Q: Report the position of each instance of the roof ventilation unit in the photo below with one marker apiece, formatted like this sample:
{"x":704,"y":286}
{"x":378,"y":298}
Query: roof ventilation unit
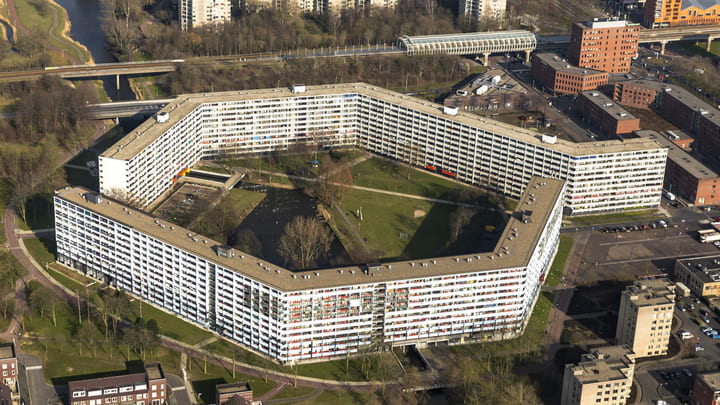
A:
{"x":163,"y":116}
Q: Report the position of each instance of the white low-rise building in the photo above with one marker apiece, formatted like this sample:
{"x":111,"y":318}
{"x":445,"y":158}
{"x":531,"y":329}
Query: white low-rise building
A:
{"x":308,"y":315}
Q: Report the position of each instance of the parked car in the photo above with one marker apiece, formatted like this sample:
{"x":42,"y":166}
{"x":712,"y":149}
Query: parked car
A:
{"x":698,"y":347}
{"x":681,"y":307}
{"x":705,"y":329}
{"x":687,"y":372}
{"x":684,"y":334}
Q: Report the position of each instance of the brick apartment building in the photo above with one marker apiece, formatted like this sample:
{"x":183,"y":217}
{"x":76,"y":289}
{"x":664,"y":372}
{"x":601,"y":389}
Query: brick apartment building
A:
{"x":691,"y":114}
{"x":668,"y":13}
{"x":9,"y":365}
{"x":685,"y":175}
{"x":638,"y":93}
{"x":560,"y":76}
{"x":605,"y":45}
{"x":706,"y":389}
{"x":606,"y":116}
{"x":148,"y":388}
{"x":226,"y":392}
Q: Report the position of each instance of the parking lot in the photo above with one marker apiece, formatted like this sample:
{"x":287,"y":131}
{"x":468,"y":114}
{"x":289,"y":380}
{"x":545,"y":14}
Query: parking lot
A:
{"x":186,"y":203}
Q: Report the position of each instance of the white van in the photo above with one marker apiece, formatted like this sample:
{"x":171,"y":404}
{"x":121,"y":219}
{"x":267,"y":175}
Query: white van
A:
{"x":685,"y":335}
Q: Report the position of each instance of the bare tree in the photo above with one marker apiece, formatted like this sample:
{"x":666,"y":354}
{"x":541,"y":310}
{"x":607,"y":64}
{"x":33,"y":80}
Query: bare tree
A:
{"x":304,"y":240}
{"x":458,"y":220}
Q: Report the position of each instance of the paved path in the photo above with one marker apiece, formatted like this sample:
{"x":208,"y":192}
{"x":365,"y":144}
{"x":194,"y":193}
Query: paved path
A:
{"x":207,"y":341}
{"x":564,"y":296}
{"x":274,"y":391}
{"x":300,"y":398}
{"x":374,"y":190}
{"x":353,"y":229}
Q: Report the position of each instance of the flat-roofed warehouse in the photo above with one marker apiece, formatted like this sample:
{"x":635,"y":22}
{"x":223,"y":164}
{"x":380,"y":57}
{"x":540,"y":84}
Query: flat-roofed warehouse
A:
{"x":471,"y":43}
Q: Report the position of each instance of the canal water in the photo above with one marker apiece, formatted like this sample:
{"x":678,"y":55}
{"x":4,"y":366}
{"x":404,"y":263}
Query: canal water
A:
{"x":86,"y":19}
{"x":8,"y":32}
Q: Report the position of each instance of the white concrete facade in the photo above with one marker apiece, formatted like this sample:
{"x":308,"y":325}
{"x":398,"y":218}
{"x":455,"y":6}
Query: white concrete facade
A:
{"x":602,"y":177}
{"x":461,"y":302}
{"x":483,"y":9}
{"x":195,"y":13}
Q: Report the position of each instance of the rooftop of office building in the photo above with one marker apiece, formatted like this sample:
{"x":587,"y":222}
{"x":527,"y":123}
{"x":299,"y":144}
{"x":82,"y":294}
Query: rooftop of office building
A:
{"x":651,"y":292}
{"x":607,"y":105}
{"x":135,"y":141}
{"x":681,"y":157}
{"x":515,"y":246}
{"x":603,"y":364}
{"x":705,"y":268}
{"x":600,"y":23}
{"x":562,"y":65}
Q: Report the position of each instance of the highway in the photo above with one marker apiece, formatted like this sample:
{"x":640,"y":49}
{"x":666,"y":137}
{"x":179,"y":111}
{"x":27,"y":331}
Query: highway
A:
{"x":120,"y":109}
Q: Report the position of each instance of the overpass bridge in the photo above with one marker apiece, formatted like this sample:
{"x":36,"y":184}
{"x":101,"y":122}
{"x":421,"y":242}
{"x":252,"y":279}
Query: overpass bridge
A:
{"x":121,"y":109}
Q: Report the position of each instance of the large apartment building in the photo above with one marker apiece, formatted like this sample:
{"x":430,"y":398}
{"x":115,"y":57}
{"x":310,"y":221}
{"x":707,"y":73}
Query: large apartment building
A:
{"x":195,"y":13}
{"x":645,"y":317}
{"x":307,"y":315}
{"x":605,"y":45}
{"x":482,"y":9}
{"x":685,"y":175}
{"x":668,"y":13}
{"x":603,"y":376}
{"x":604,"y":115}
{"x":602,"y":176}
{"x":559,"y":76}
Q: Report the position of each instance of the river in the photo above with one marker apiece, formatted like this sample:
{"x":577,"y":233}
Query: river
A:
{"x":86,"y":19}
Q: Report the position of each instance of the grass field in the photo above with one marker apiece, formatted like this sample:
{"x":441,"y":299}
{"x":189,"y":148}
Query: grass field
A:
{"x":380,"y":174}
{"x":66,"y":281}
{"x":170,"y":325}
{"x":41,"y":249}
{"x":245,"y":201}
{"x":389,"y":225}
{"x":617,"y":217}
{"x":205,"y":383}
{"x":556,"y":270}
{"x":331,"y":370}
{"x":37,"y":16}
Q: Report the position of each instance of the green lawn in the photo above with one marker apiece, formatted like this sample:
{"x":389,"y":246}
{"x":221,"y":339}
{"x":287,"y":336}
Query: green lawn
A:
{"x":389,"y":225}
{"x":556,"y":270}
{"x":66,"y":281}
{"x":331,"y":370}
{"x":170,"y":325}
{"x":292,"y":392}
{"x":339,"y":397}
{"x":41,"y":249}
{"x":510,"y":204}
{"x":63,"y":361}
{"x":40,"y":22}
{"x":297,"y":164}
{"x":617,"y":217}
{"x":205,"y":383}
{"x":380,"y":174}
{"x":244,"y":200}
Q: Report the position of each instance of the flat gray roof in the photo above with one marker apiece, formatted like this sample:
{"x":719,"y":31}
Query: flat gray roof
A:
{"x":705,"y":268}
{"x":608,"y":105}
{"x":651,"y":292}
{"x":151,"y":130}
{"x":679,"y":156}
{"x":652,"y":84}
{"x":562,"y":65}
{"x":607,"y":363}
{"x":708,"y":111}
{"x":518,"y":238}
